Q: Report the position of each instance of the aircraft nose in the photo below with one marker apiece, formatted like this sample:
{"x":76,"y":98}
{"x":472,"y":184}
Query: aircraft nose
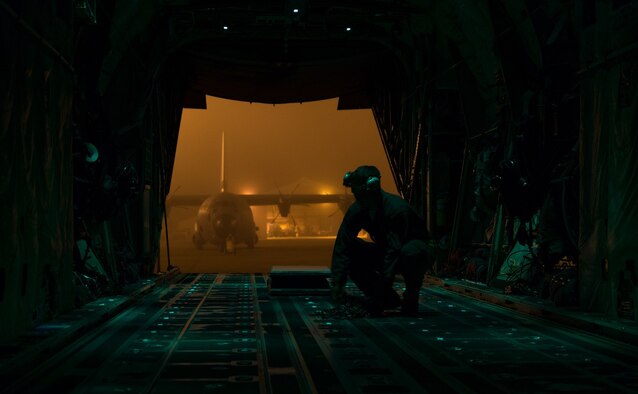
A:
{"x":225,"y":224}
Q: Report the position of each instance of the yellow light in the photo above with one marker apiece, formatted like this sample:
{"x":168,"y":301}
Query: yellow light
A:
{"x":363,"y":235}
{"x":326,"y":190}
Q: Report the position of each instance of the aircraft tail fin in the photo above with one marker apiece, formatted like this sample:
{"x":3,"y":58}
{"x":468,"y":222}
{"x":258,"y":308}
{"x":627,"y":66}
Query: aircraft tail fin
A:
{"x":223,"y":174}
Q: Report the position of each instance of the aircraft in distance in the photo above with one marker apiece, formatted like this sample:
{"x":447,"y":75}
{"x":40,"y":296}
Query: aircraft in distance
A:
{"x":225,"y":219}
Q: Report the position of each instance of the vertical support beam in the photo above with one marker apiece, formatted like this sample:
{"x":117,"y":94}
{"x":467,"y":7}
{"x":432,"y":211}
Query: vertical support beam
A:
{"x":418,"y":142}
{"x":146,"y":220}
{"x":460,"y":200}
{"x":129,"y":229}
{"x":428,"y":187}
{"x":497,"y":240}
{"x":108,"y":250}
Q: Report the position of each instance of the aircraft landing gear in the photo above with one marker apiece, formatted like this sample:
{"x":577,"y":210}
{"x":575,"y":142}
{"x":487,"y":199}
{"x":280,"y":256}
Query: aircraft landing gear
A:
{"x":251,"y":244}
{"x":198,"y":241}
{"x":229,"y":245}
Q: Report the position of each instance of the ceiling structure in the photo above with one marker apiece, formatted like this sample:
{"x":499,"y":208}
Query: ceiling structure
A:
{"x":278,"y":52}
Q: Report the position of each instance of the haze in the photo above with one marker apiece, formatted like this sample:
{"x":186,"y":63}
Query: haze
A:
{"x":310,"y":145}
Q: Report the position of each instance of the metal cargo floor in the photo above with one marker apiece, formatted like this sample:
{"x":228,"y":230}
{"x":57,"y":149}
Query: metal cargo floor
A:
{"x":216,"y":333}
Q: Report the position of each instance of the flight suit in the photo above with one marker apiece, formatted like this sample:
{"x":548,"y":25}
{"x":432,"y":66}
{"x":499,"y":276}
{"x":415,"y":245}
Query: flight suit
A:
{"x":399,"y":245}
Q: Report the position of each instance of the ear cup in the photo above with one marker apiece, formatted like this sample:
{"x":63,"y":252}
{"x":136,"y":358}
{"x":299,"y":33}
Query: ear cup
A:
{"x":347,"y":179}
{"x":373,"y":183}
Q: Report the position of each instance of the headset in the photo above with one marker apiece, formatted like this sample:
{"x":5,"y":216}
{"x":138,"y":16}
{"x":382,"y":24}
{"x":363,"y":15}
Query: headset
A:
{"x":372,"y":182}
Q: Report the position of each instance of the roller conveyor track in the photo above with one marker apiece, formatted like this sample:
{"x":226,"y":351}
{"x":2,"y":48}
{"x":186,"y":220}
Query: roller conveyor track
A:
{"x":220,"y":333}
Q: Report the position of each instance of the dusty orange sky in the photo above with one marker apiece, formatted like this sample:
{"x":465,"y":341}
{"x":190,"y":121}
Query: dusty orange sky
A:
{"x":310,"y":144}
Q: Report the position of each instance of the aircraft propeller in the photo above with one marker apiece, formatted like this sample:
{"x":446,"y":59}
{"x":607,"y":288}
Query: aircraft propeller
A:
{"x":284,"y":203}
